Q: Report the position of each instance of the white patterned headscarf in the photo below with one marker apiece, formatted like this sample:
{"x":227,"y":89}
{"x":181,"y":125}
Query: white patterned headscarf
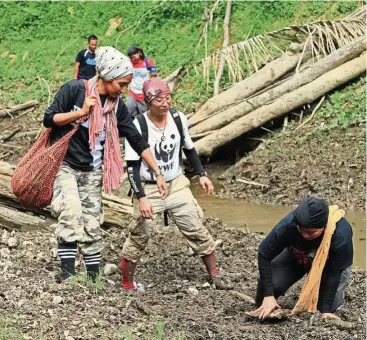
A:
{"x":112,"y":64}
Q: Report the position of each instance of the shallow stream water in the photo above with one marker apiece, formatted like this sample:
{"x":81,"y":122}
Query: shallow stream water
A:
{"x":263,"y":217}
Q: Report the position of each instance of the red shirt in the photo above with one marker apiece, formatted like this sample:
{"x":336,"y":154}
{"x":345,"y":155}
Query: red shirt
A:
{"x":143,"y":70}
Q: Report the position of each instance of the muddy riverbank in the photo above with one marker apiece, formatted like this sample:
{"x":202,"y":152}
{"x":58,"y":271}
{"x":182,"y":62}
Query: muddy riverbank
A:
{"x":177,"y":303}
{"x":327,"y":163}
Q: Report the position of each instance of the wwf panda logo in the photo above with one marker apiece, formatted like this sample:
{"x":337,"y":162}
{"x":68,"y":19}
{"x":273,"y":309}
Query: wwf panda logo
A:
{"x":165,"y":148}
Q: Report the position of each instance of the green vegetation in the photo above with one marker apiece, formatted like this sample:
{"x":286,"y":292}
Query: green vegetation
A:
{"x":347,"y":106}
{"x":7,"y":332}
{"x":39,"y":40}
{"x":83,"y":280}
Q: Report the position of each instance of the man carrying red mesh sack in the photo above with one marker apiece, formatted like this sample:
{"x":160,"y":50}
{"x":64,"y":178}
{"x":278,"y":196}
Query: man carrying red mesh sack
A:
{"x":103,"y":118}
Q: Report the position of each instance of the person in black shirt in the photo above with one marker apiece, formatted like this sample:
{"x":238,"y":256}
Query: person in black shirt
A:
{"x":287,"y":254}
{"x":85,"y":63}
{"x":103,"y":117}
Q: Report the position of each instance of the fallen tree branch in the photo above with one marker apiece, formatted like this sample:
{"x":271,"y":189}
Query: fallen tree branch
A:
{"x":267,"y":130}
{"x":31,"y":134}
{"x":25,"y":112}
{"x":5,"y":112}
{"x":3,"y":145}
{"x":340,"y":323}
{"x":175,"y":78}
{"x":242,"y":296}
{"x":312,"y":114}
{"x":10,"y":135}
{"x":256,"y":184}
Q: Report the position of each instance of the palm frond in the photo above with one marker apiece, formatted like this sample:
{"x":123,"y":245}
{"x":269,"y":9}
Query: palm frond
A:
{"x":322,"y":37}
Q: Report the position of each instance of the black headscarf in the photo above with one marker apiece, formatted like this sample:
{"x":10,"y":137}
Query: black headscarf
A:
{"x":312,"y":212}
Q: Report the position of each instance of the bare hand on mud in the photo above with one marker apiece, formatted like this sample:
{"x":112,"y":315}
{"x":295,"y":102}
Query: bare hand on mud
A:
{"x":162,"y":187}
{"x":146,"y":209}
{"x":268,"y":306}
{"x":329,"y":316}
{"x":207,"y":185}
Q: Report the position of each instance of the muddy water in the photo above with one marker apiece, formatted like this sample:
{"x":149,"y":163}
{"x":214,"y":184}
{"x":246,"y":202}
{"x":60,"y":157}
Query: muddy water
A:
{"x":263,"y":217}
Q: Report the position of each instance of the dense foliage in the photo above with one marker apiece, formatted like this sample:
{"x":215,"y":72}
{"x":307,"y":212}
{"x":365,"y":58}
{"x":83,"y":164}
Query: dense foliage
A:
{"x":39,"y":40}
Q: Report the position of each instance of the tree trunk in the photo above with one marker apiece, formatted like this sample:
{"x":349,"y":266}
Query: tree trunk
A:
{"x":15,"y":219}
{"x":245,"y":88}
{"x":324,"y":65}
{"x":225,"y":44}
{"x":117,"y":210}
{"x":303,"y":95}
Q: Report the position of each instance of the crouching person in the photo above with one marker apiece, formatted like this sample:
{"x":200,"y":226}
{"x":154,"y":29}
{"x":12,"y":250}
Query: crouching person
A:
{"x":166,"y":131}
{"x":315,"y":239}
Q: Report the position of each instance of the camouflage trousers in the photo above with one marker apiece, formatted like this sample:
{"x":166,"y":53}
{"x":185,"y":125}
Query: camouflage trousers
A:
{"x":182,"y":208}
{"x":77,"y":205}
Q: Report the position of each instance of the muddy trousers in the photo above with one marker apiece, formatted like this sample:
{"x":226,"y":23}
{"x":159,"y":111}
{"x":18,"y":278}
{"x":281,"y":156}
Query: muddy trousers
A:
{"x":287,"y":271}
{"x":77,"y":205}
{"x":182,"y":208}
{"x":188,"y":217}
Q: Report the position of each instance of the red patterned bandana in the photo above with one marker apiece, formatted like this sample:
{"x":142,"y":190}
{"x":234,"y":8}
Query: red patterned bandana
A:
{"x":155,"y":87}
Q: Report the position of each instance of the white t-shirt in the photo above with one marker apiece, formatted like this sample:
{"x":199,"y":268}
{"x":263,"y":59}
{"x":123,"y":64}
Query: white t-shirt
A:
{"x":165,"y":146}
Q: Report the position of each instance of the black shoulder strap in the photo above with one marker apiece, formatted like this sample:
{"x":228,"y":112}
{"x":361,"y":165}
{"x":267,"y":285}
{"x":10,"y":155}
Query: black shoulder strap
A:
{"x":143,"y":126}
{"x":177,"y":119}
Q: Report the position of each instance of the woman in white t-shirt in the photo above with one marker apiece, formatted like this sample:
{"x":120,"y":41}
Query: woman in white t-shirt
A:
{"x":167,"y":133}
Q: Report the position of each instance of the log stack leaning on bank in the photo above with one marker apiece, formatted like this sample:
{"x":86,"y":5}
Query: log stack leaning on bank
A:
{"x":258,"y":99}
{"x":117,"y":210}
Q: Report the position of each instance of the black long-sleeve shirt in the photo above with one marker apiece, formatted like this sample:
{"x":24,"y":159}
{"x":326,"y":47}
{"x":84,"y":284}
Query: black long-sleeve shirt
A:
{"x":71,"y":98}
{"x":285,"y":234}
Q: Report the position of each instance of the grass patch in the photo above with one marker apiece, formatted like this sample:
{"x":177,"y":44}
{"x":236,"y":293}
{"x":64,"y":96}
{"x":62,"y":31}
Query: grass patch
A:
{"x":345,"y":107}
{"x":39,"y":40}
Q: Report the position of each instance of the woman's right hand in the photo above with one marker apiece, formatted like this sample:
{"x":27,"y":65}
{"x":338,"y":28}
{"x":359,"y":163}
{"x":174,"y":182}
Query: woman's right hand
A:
{"x":146,"y":209}
{"x":89,"y":102}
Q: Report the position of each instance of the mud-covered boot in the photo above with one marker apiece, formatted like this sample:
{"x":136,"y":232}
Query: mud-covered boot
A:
{"x":128,"y":268}
{"x":211,"y":266}
{"x":221,"y":283}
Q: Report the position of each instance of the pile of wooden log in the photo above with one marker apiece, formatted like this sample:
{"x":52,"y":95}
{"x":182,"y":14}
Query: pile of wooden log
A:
{"x":117,"y":210}
{"x":286,"y":83}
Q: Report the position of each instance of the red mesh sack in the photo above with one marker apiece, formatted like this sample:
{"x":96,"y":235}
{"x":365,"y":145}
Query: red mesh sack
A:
{"x":33,"y":177}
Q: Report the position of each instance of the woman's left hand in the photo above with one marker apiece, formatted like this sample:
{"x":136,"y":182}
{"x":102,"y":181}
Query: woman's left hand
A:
{"x":207,"y":185}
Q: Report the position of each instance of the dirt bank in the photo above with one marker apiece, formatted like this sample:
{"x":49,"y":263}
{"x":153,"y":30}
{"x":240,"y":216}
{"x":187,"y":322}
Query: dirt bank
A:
{"x":33,"y":305}
{"x":310,"y":161}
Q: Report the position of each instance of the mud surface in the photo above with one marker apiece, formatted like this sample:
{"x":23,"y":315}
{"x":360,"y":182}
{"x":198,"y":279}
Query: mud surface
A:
{"x":34,"y":306}
{"x":308,"y":162}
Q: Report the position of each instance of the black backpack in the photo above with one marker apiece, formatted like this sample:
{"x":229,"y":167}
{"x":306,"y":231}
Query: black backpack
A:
{"x":176,"y":118}
{"x":144,"y":132}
